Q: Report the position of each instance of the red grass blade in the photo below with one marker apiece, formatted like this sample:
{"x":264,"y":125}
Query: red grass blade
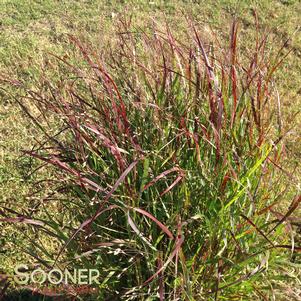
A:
{"x":294,"y":205}
{"x":160,"y":176}
{"x":163,"y":227}
{"x":22,"y":220}
{"x":176,"y":181}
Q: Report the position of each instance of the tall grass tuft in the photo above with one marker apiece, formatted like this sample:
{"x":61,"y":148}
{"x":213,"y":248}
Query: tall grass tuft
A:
{"x":166,"y":150}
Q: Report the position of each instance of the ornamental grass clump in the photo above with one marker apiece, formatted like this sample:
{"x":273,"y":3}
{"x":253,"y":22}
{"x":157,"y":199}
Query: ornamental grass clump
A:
{"x":166,"y":151}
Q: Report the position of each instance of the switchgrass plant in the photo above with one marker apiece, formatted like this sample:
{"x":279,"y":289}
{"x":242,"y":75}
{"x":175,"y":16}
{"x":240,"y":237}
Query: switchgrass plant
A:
{"x":166,"y":152}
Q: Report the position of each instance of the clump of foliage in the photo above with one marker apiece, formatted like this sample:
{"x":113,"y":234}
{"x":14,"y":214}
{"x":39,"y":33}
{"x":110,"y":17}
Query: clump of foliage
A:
{"x":167,"y":149}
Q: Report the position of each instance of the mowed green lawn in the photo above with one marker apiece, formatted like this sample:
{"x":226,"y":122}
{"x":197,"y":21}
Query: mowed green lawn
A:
{"x":30,"y":30}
